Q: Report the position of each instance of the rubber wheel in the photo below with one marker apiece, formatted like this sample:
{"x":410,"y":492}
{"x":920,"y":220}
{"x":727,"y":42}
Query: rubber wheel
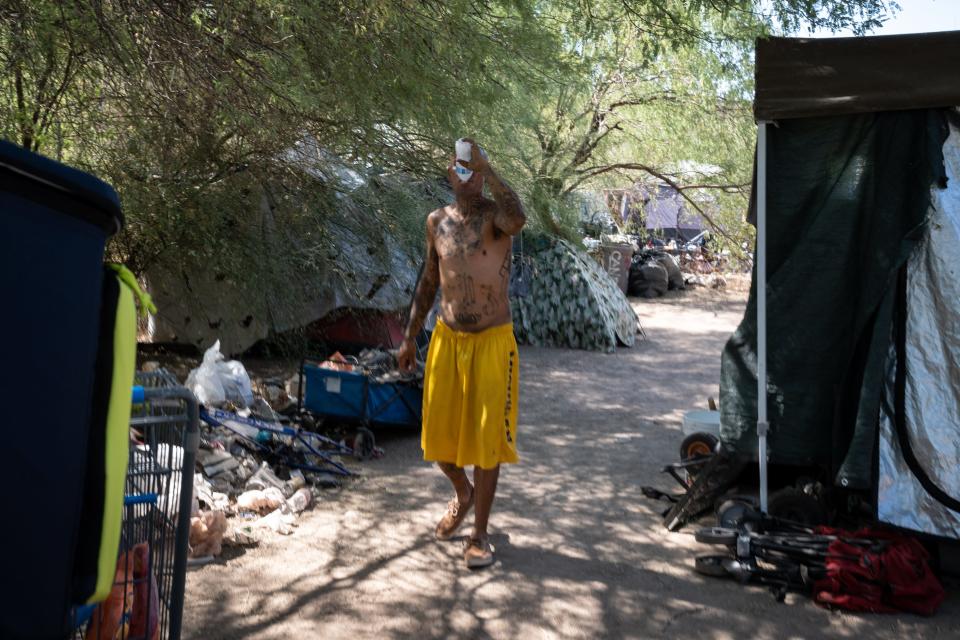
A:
{"x":731,"y":513}
{"x":363,"y":444}
{"x":737,"y":570}
{"x":711,"y":566}
{"x":796,"y":506}
{"x":698,"y":445}
{"x":716,"y":535}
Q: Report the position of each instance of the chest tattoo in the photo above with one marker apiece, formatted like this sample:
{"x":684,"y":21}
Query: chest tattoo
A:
{"x":466,"y":289}
{"x":460,"y":238}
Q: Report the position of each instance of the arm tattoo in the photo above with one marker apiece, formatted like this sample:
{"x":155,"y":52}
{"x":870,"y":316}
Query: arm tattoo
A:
{"x":505,"y":273}
{"x":426,"y":292}
{"x":509,"y":217}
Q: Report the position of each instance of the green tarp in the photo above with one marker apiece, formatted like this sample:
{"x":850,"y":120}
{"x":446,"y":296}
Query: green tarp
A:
{"x":847,"y":201}
{"x":804,"y":77}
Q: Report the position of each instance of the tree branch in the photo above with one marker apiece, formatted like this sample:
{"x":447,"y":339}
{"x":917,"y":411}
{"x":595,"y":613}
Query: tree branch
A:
{"x":726,"y":188}
{"x":51,"y":106}
{"x":26,"y":141}
{"x":669,"y":96}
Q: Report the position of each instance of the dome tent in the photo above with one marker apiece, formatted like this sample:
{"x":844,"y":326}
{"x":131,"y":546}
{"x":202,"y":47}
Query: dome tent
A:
{"x":572,"y":302}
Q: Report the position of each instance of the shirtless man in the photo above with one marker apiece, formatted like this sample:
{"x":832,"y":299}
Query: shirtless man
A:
{"x":471,"y":379}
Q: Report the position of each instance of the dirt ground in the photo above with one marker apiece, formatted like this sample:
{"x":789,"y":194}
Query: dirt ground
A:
{"x":581,"y":553}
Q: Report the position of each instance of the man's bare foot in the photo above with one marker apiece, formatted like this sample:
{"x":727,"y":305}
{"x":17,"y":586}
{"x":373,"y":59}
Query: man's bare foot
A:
{"x":478,"y":553}
{"x":455,"y":515}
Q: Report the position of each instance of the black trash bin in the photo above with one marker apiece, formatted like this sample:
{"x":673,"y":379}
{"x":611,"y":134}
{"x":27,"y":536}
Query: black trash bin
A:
{"x":54,"y":224}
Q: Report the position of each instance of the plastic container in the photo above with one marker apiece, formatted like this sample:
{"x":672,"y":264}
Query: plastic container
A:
{"x":300,"y":500}
{"x":465,"y":153}
{"x":701,"y":422}
{"x":54,"y":224}
{"x":353,"y":396}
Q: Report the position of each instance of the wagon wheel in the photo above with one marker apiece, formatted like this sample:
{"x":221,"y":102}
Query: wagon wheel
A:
{"x":308,"y":422}
{"x":697,"y":445}
{"x":731,"y":514}
{"x":363,"y":444}
{"x":794,"y":505}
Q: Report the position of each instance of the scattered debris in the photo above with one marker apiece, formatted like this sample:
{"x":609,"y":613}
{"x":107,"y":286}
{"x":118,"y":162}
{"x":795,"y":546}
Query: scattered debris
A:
{"x":257,"y":468}
{"x":275,"y":394}
{"x":260,"y":501}
{"x":338,"y":362}
{"x":265,"y":478}
{"x":714,"y":281}
{"x":239,"y":535}
{"x":256,"y":471}
{"x":150,"y":367}
{"x":278,"y":521}
{"x":217,"y":380}
{"x":653,"y":273}
{"x":300,"y":500}
{"x":206,"y":533}
{"x":293,"y":386}
{"x":204,"y":493}
{"x":216,"y":462}
{"x":200,"y":561}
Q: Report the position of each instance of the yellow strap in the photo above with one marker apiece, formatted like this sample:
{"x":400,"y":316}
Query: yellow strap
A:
{"x":117,"y":441}
{"x":126,"y":276}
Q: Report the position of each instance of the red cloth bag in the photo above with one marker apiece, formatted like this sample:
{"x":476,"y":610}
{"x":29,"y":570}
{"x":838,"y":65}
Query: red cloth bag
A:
{"x":892,"y":576}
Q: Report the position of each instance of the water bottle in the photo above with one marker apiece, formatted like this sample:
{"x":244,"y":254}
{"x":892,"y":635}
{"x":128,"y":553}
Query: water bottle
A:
{"x":300,"y":500}
{"x":465,"y":153}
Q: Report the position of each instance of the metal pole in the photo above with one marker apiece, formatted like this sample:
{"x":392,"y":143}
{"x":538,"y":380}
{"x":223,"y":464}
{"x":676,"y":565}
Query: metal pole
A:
{"x":762,"y":424}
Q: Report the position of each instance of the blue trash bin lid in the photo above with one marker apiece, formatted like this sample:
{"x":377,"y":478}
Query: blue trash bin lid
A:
{"x":73,"y":191}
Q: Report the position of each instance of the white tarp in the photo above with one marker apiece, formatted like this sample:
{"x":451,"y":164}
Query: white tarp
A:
{"x":933,"y":365}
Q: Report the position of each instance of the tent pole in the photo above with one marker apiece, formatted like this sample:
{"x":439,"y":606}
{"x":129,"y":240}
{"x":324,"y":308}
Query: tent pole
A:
{"x":762,"y":424}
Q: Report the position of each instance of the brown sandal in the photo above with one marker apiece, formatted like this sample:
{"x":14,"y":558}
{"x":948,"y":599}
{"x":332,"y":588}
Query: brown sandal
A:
{"x":454,"y":516}
{"x":478,"y":553}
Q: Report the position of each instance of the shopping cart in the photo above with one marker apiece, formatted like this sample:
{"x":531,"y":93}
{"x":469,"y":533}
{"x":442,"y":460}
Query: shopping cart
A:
{"x":147,"y":598}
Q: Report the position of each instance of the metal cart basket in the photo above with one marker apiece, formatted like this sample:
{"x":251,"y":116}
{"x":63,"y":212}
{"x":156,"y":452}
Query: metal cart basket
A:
{"x":147,"y":599}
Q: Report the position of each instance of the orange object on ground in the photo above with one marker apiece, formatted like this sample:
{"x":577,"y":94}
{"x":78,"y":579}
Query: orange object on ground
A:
{"x":110,"y":617}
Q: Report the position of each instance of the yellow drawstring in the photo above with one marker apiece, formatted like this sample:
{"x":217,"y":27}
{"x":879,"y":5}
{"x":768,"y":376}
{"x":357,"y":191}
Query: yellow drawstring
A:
{"x":126,"y":276}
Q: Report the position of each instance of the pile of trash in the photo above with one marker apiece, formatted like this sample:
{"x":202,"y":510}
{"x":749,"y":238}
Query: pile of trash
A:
{"x":572,"y":302}
{"x":653,"y":273}
{"x":379,"y":365}
{"x":256,"y":470}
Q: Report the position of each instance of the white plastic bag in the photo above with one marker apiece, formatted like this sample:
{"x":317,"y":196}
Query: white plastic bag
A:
{"x":217,"y":381}
{"x":236,"y":382}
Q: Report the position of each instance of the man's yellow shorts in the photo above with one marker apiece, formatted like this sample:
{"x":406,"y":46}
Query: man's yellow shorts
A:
{"x":470,"y":391}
